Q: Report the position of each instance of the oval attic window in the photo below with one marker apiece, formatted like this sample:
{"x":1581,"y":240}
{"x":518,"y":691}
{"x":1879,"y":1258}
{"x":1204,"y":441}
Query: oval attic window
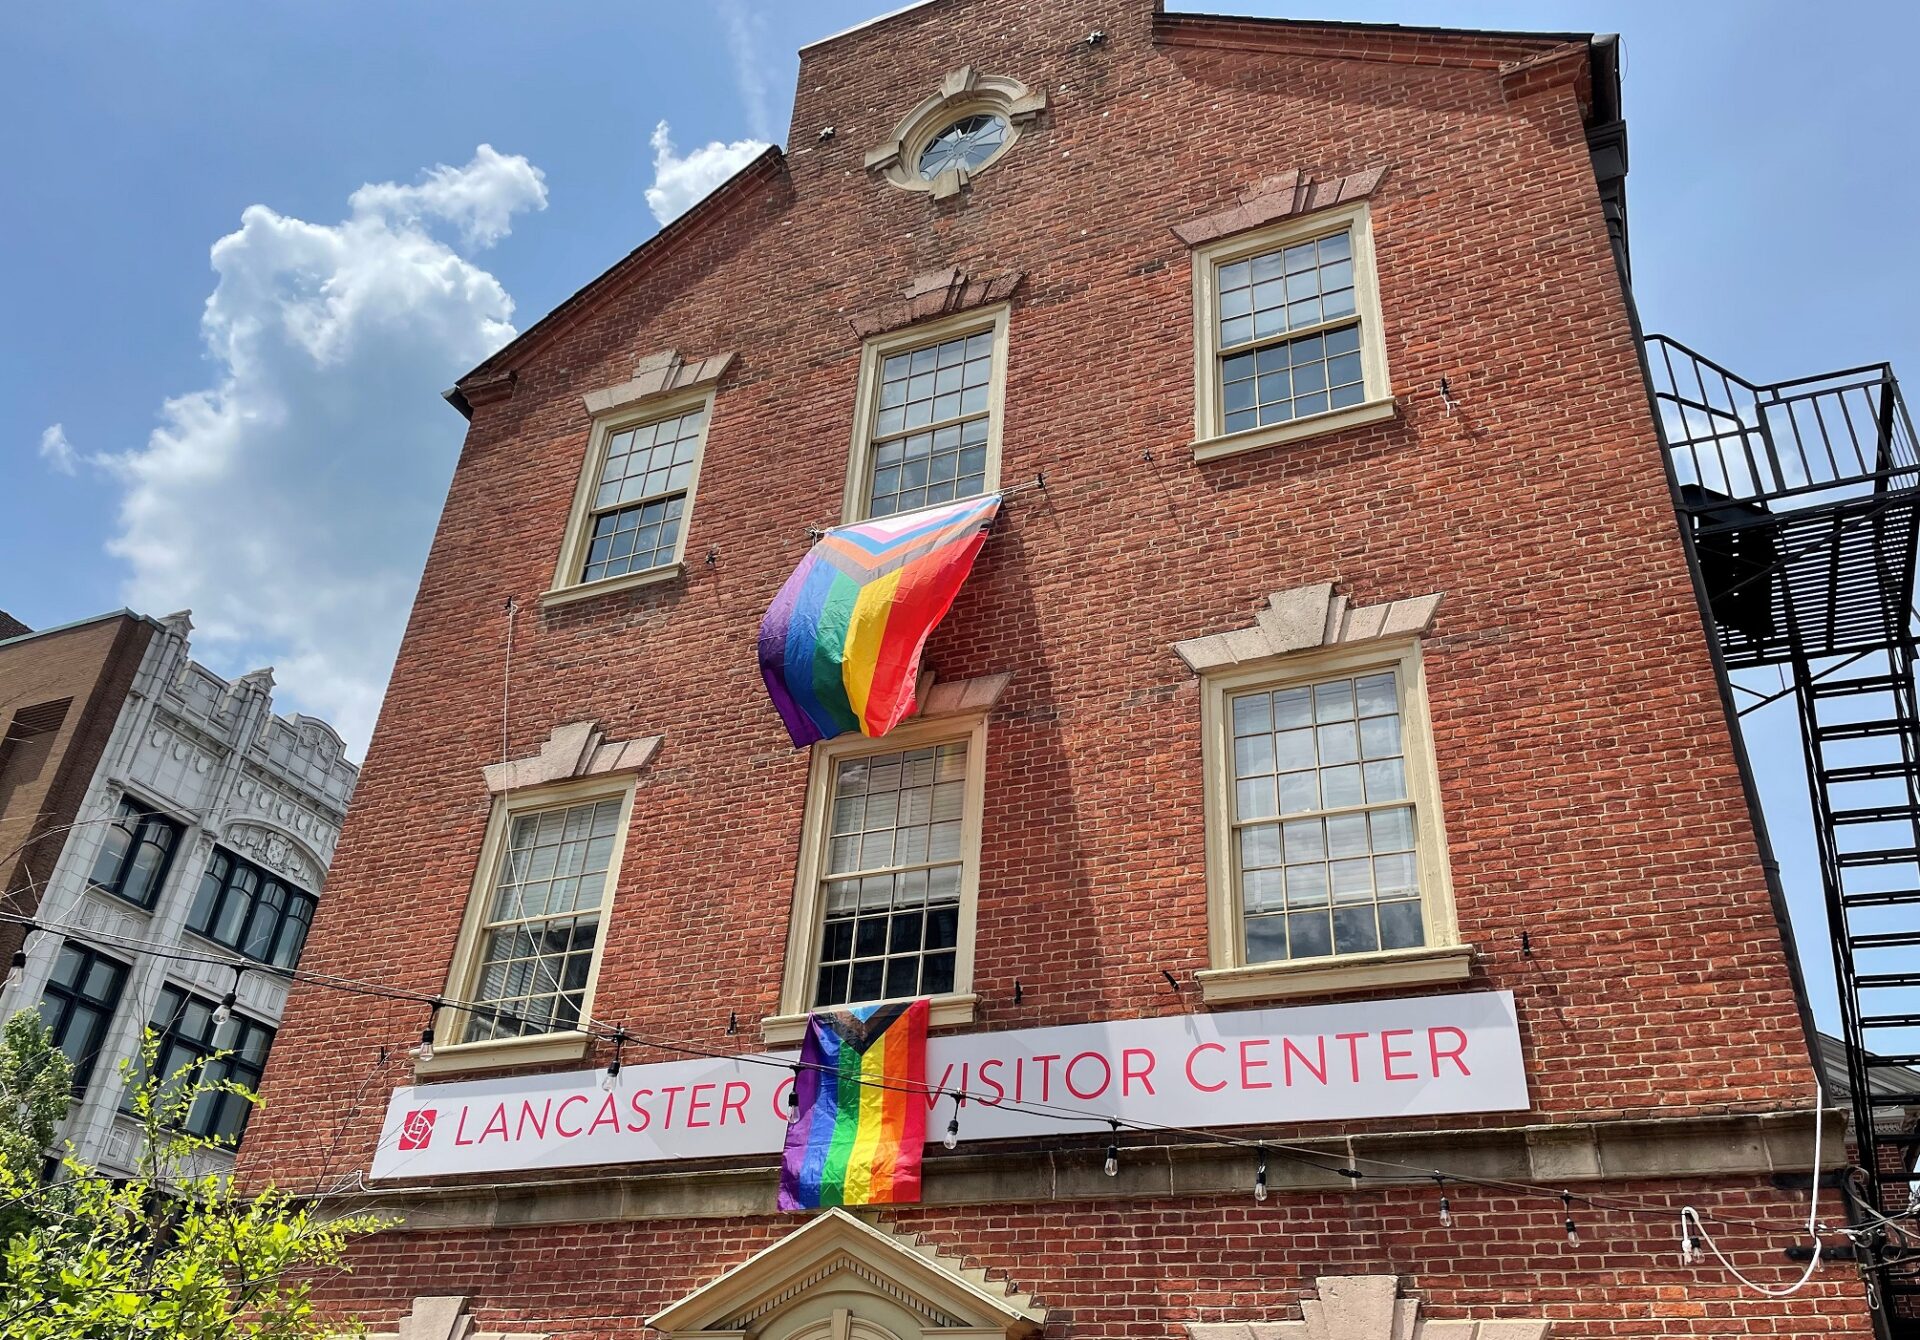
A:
{"x":966,"y":144}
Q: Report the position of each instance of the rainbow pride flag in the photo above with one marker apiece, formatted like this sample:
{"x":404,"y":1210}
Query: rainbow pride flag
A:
{"x":840,"y":645}
{"x":860,"y":1124}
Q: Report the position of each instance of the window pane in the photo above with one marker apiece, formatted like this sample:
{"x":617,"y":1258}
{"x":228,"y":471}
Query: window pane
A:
{"x":1348,"y":839}
{"x":936,"y":385}
{"x":545,"y":920}
{"x":903,"y":816}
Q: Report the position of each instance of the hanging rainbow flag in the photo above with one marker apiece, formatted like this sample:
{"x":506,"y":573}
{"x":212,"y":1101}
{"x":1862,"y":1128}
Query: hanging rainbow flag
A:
{"x":840,"y":645}
{"x":860,"y":1122}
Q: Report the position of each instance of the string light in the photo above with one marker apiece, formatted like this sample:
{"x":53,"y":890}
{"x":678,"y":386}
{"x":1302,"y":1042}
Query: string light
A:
{"x":793,"y":1098}
{"x":224,"y":1015}
{"x":424,"y":1052}
{"x":952,"y":1137}
{"x":1446,"y":1206}
{"x":1260,"y":1179}
{"x":18,"y":968}
{"x":611,"y":1080}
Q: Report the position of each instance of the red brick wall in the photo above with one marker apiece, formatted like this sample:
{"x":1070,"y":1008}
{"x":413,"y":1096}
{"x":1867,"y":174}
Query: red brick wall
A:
{"x":1129,"y":1268}
{"x":93,"y":665}
{"x":1588,"y":782}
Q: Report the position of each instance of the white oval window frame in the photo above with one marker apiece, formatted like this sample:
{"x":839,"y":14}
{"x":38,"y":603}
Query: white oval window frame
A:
{"x":963,"y":93}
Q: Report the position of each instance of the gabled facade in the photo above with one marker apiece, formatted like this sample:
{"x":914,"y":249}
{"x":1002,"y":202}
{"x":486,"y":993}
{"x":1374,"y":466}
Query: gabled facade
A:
{"x":1326,"y":734}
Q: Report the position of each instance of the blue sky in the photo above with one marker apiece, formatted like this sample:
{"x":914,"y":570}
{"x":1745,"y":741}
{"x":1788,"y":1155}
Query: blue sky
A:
{"x":255,"y":430}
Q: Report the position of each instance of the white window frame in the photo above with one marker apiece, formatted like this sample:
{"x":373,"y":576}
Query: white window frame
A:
{"x":804,"y":928}
{"x":452,"y":1055}
{"x":567,"y":583}
{"x":1443,"y":957}
{"x":1211,"y":440}
{"x":875,"y":351}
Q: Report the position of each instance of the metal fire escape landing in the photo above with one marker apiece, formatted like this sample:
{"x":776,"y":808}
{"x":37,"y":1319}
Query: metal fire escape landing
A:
{"x":1802,"y":503}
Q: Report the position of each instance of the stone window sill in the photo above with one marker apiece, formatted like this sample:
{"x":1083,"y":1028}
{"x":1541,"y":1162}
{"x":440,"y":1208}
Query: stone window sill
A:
{"x":1294,"y":430}
{"x":465,"y":1056}
{"x":946,"y":1011}
{"x":566,"y":595}
{"x":1326,"y":976}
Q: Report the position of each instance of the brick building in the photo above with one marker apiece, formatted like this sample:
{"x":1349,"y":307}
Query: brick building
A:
{"x":180,"y":834}
{"x":1343,"y":685}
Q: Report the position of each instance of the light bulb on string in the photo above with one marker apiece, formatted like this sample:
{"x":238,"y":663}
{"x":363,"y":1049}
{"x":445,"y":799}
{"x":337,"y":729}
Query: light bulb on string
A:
{"x":793,"y":1098}
{"x":1573,"y":1229}
{"x":952,"y":1137}
{"x":1446,"y":1206}
{"x":1112,"y":1166}
{"x":424,"y":1052}
{"x":611,"y":1079}
{"x":1260,"y":1179}
{"x":18,"y":968}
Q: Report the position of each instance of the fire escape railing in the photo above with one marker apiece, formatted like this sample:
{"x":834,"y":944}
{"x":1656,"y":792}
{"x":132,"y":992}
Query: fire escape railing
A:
{"x":1802,"y":504}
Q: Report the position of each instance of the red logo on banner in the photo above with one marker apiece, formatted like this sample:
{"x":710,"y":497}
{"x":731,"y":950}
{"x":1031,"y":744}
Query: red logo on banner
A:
{"x":417,"y":1129}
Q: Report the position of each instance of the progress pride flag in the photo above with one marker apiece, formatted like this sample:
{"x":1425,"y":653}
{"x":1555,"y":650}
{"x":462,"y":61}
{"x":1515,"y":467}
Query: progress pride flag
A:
{"x":1377,"y":1058}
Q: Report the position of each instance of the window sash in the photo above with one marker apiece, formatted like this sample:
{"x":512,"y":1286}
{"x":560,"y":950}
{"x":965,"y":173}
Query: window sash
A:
{"x":214,"y":1115}
{"x":135,"y":831}
{"x":75,"y":1005}
{"x":543,"y":986}
{"x":1328,"y":906}
{"x":249,"y":911}
{"x":836,"y":973}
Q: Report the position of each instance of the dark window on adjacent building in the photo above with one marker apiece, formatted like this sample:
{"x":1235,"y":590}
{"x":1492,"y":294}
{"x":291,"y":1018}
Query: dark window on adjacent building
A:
{"x":188,"y":1034}
{"x":78,"y":1006}
{"x":243,"y":907}
{"x":136,"y":853}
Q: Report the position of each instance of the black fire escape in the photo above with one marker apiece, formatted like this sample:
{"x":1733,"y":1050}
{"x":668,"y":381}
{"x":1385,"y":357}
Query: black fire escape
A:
{"x":1802,"y":504}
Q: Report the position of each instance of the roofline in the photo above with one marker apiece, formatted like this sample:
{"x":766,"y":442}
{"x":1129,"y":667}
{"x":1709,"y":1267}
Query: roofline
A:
{"x":1353,"y":25}
{"x":865,"y":24}
{"x":716,"y":202}
{"x":121,"y":613}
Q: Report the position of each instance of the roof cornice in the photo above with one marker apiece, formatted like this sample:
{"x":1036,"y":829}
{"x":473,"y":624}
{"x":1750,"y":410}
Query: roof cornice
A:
{"x":1463,"y":48}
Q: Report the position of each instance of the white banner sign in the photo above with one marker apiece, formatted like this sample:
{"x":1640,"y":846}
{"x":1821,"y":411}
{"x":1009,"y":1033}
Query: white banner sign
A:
{"x":1376,"y":1058}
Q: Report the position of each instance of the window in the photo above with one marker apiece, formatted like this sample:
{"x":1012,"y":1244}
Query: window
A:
{"x":188,"y":1034}
{"x":78,"y":1005}
{"x":1325,"y":844}
{"x":636,"y":494}
{"x":135,"y":854}
{"x":244,"y":908}
{"x":884,"y":897}
{"x":1289,"y":336}
{"x":891,"y":887}
{"x":949,"y":138}
{"x":965,"y":146}
{"x":529,"y":954}
{"x":928,"y":426}
{"x":642,"y":496}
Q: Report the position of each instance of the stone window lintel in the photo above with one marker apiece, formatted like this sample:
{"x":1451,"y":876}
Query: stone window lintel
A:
{"x":1276,"y":198}
{"x":578,"y":749}
{"x":1306,"y":618}
{"x":659,"y":374}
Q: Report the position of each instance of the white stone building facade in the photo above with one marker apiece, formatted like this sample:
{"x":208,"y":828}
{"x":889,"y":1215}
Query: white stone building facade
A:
{"x":191,"y":873}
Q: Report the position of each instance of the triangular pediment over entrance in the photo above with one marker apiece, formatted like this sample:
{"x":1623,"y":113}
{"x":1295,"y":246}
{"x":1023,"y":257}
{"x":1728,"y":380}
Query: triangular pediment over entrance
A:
{"x":837,"y":1278}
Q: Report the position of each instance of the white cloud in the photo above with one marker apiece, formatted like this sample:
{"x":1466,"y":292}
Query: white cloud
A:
{"x":291,"y":502}
{"x":56,"y":451}
{"x":744,"y":31}
{"x":681,"y":182}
